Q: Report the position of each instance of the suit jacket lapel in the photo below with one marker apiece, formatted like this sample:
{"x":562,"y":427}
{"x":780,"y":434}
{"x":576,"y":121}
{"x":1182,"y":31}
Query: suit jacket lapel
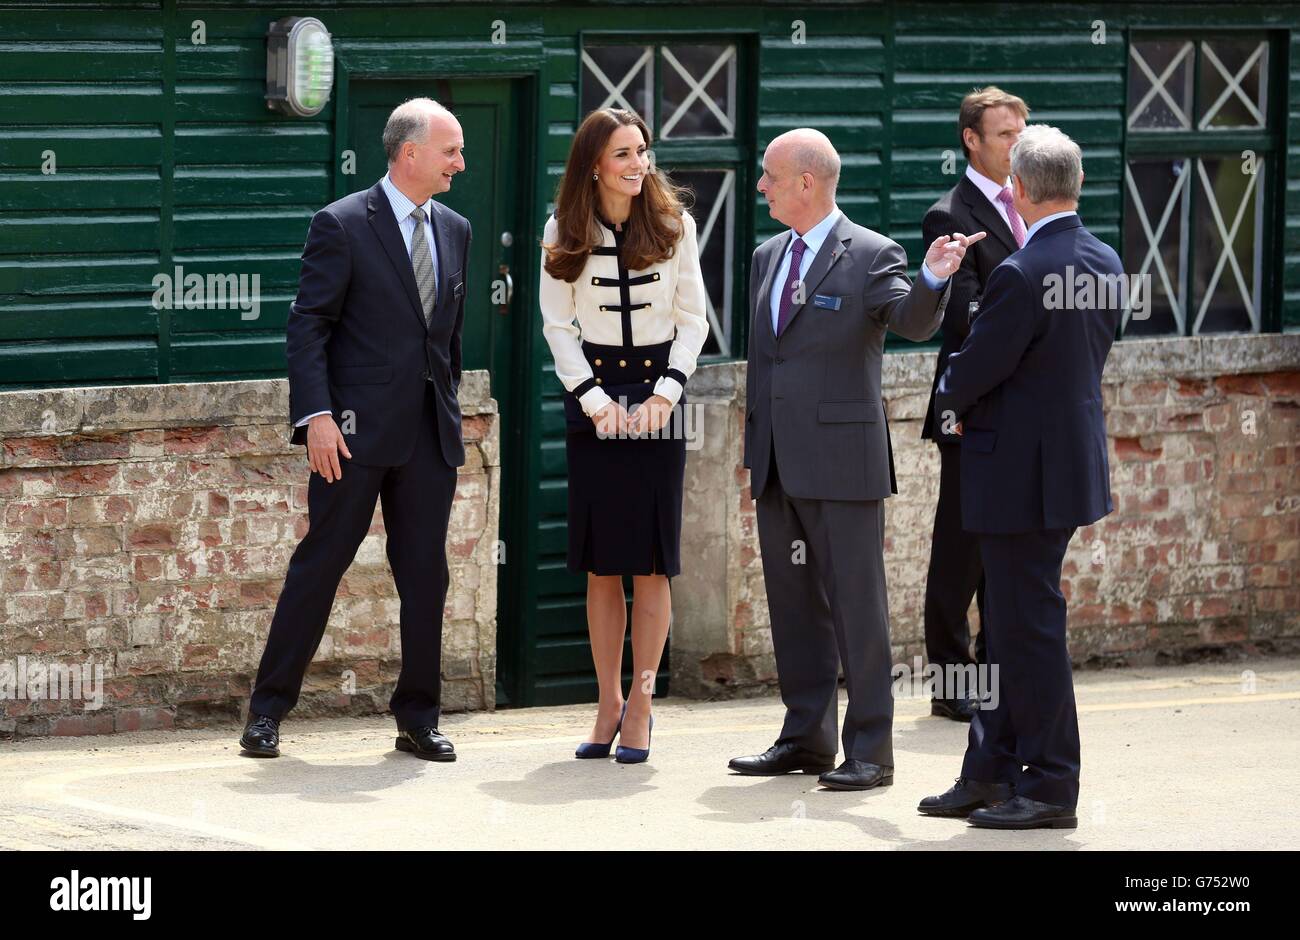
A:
{"x":379,"y":213}
{"x":832,"y":250}
{"x":989,"y":218}
{"x":765,"y":292}
{"x":443,"y":241}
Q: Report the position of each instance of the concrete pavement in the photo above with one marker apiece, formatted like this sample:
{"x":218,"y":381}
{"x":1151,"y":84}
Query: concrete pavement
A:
{"x":1189,"y":757}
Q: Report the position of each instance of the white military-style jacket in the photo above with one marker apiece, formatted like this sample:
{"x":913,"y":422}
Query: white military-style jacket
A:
{"x":613,"y":306}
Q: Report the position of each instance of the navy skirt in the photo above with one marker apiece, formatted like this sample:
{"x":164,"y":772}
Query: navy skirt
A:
{"x":625,"y":494}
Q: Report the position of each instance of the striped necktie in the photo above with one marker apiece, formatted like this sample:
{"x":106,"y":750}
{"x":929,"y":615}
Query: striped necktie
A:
{"x":422,"y":262}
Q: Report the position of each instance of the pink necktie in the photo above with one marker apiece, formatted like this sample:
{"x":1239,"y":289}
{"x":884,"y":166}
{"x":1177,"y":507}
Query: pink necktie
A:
{"x":1017,"y":223}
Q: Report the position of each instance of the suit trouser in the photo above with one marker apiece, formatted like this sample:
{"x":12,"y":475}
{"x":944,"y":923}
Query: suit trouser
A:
{"x":955,"y":574}
{"x":1035,"y":722}
{"x":823,"y":565}
{"x":416,"y":499}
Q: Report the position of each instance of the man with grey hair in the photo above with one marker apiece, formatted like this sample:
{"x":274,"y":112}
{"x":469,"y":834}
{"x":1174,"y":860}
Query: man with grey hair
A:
{"x":374,"y":356}
{"x":1024,"y":392}
{"x":823,"y":293}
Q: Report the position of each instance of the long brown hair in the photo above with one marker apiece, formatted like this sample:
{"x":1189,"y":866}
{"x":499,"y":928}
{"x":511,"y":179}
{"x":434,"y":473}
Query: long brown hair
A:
{"x":654,"y":226}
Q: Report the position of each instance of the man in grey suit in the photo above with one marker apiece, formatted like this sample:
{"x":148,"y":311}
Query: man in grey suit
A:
{"x":823,"y":294}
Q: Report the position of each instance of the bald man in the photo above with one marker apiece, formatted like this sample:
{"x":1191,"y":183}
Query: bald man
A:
{"x":374,"y":353}
{"x":823,"y":293}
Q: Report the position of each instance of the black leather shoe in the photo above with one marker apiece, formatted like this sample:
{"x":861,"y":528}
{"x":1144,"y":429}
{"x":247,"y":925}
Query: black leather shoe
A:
{"x":782,"y":759}
{"x":957,"y":709}
{"x":425,"y":743}
{"x":857,"y":775}
{"x":261,"y":737}
{"x":965,"y":796}
{"x":1020,"y":812}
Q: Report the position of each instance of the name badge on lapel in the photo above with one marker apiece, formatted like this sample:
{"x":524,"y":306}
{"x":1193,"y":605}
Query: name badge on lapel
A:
{"x":826,"y":302}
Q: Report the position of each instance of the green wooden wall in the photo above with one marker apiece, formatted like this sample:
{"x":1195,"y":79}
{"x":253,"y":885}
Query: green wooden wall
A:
{"x":166,"y":155}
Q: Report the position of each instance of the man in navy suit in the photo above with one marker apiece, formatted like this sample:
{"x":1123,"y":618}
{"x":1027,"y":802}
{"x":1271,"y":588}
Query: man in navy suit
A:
{"x":989,"y":121}
{"x":1025,"y":392}
{"x":374,"y":355}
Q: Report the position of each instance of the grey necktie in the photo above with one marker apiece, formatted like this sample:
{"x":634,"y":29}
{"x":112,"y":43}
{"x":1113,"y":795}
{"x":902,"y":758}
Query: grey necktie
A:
{"x":422,"y":262}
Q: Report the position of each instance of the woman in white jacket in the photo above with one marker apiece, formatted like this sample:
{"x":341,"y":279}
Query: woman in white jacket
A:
{"x":623,"y":303}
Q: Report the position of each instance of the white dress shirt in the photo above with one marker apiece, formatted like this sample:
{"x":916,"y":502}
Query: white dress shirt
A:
{"x":1044,"y":220}
{"x":402,"y":209}
{"x":674,"y":310}
{"x":990,"y":189}
{"x":814,"y":238}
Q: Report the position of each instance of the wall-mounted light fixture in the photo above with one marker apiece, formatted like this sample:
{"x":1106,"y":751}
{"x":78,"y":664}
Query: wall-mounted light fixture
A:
{"x":299,"y":65}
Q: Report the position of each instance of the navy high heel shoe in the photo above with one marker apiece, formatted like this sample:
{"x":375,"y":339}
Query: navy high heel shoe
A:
{"x":635,"y":755}
{"x":588,"y":749}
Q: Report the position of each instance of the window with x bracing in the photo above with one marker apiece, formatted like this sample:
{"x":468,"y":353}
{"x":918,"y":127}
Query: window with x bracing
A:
{"x":686,"y":89}
{"x":1203,"y":177}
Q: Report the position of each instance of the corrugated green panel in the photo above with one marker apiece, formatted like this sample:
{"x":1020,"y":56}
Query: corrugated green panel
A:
{"x":243,"y":227}
{"x":214,"y":354}
{"x":246,"y":143}
{"x":24,"y":145}
{"x":445,"y":57}
{"x":57,"y":318}
{"x":1039,"y":89}
{"x":79,"y":190}
{"x":79,"y":245}
{"x":251,"y":185}
{"x":240,"y":314}
{"x":141,"y":24}
{"x":276,"y":269}
{"x":938,"y":129}
{"x":570,"y":654}
{"x":553,"y":460}
{"x":76,"y":362}
{"x":1096,"y":201}
{"x":100,"y":61}
{"x":925,"y":167}
{"x":43,"y":233}
{"x":817,"y":95}
{"x":823,"y":55}
{"x":220,"y":59}
{"x":849,"y":132}
{"x":238,"y":100}
{"x":979,"y":50}
{"x":555,"y":580}
{"x":81,"y":103}
{"x":552,"y":534}
{"x":61,"y":274}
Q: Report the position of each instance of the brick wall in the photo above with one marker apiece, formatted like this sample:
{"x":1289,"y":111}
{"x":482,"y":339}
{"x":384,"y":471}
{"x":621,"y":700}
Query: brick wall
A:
{"x":1200,"y":555}
{"x":146,"y":530}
